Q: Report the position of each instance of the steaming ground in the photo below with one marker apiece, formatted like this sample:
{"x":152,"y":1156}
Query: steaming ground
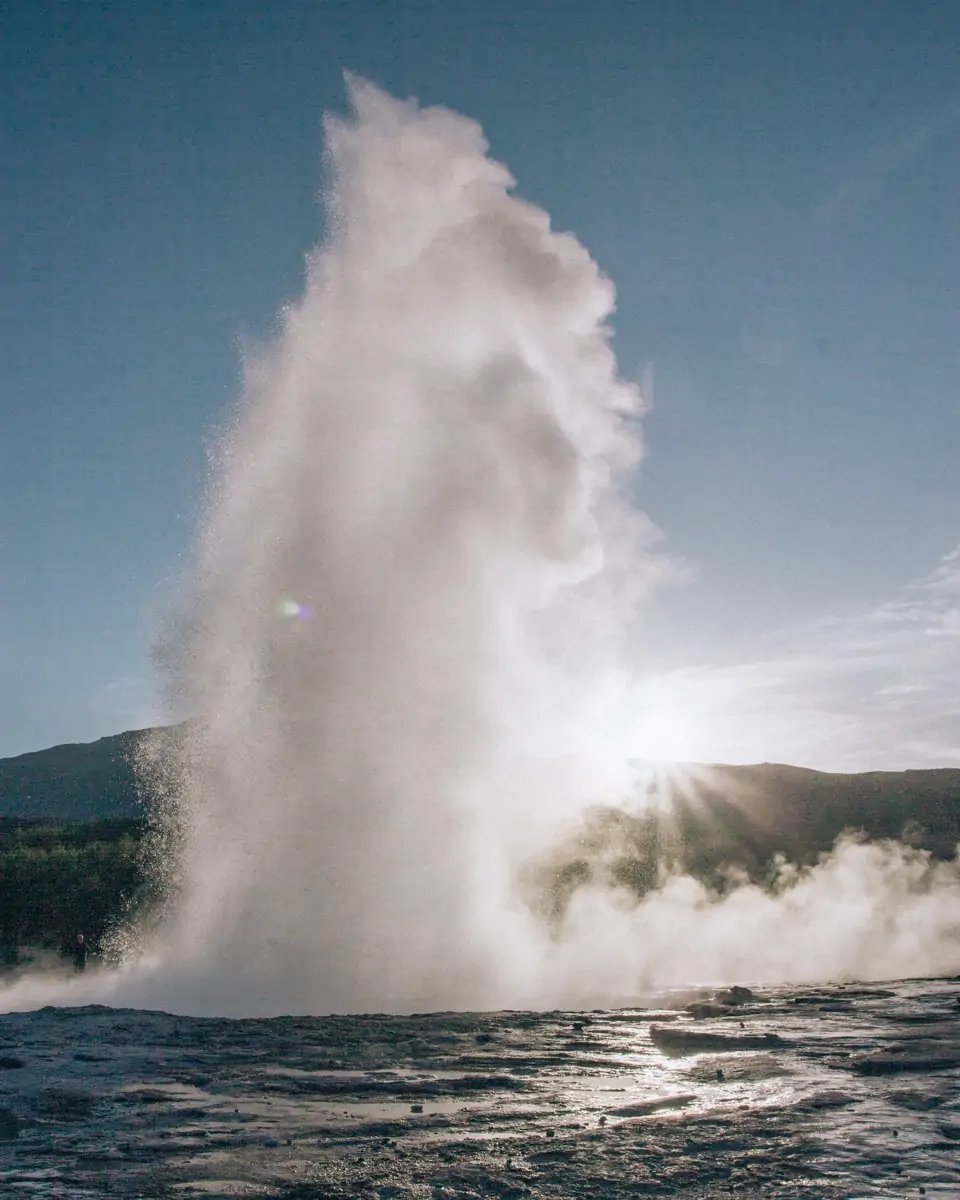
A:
{"x":867,"y":912}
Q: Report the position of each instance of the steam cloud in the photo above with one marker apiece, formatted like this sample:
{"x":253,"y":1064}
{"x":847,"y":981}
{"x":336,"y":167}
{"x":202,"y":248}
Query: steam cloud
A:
{"x":425,"y":458}
{"x":411,"y":587}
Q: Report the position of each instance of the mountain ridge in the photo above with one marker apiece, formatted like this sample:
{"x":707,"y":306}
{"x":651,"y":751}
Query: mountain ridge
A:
{"x":74,"y":781}
{"x":743,"y":813}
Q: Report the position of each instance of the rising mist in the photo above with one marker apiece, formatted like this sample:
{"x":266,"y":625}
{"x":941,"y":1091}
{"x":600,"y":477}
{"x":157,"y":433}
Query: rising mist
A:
{"x":425,"y":457}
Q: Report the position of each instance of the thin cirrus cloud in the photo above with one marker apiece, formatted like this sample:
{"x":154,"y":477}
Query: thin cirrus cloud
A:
{"x":887,"y":156}
{"x":879,"y":689}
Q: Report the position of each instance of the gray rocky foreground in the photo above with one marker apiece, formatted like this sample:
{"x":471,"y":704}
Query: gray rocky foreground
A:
{"x":828,"y":1092}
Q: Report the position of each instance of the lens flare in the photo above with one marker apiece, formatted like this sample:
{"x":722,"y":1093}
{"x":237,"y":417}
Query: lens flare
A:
{"x":291,"y":608}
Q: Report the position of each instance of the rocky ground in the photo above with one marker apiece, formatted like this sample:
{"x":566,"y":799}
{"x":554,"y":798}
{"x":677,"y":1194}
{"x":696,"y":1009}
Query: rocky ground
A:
{"x":840,"y":1091}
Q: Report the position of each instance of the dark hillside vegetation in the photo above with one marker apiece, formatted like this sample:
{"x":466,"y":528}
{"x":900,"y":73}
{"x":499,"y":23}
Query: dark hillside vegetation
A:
{"x":58,"y":881}
{"x":742,"y":813}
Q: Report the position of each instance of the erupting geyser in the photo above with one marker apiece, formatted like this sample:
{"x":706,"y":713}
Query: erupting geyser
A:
{"x":401,"y":657}
{"x":424,"y":458}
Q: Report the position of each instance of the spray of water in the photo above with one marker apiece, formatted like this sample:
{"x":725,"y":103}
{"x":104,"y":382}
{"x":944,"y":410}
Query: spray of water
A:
{"x":424,"y":459}
{"x":400,"y":662}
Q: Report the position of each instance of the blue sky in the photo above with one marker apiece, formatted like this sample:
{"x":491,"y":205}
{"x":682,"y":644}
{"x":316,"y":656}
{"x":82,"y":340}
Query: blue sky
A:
{"x":772,"y":187}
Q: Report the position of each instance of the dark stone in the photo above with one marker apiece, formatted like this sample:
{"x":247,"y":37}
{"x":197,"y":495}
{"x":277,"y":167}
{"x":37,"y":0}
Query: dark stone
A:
{"x":826,"y":1100}
{"x":645,"y":1108}
{"x":65,"y":1103}
{"x":692,"y":1041}
{"x":735,"y":995}
{"x":702,"y":1009}
{"x":916,"y":1101}
{"x":903,"y":1064}
{"x":144,"y":1096}
{"x":9,"y":1125}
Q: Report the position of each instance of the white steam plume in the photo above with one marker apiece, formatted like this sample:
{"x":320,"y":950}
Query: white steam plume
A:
{"x":426,"y":456}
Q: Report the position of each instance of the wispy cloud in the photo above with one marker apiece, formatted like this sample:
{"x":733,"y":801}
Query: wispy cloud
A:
{"x":876,"y":690}
{"x":888,"y":155}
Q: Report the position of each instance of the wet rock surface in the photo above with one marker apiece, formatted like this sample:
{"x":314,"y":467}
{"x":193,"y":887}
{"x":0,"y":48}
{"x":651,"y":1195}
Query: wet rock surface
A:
{"x":827,"y":1092}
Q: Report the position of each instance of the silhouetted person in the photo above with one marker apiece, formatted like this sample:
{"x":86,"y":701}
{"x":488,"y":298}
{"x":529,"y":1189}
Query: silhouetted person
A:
{"x":80,"y":953}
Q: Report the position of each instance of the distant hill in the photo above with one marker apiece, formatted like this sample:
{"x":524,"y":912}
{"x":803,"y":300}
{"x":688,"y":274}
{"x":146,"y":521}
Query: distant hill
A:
{"x":799,"y":812}
{"x":705,"y":820}
{"x":708,"y":815}
{"x":75,"y":782}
